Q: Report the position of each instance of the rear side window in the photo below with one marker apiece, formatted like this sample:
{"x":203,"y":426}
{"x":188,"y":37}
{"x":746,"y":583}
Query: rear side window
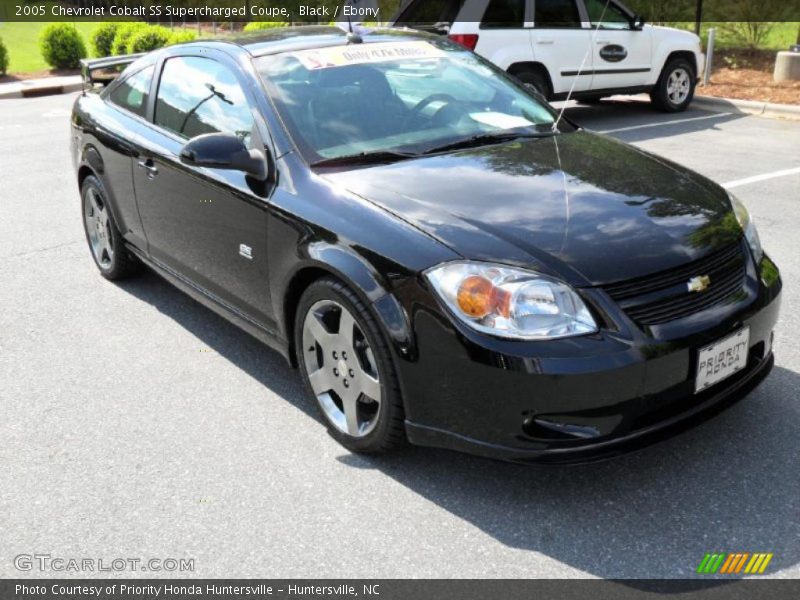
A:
{"x":199,"y":95}
{"x":504,"y":14}
{"x":431,"y":11}
{"x":556,"y":14}
{"x":132,"y":93}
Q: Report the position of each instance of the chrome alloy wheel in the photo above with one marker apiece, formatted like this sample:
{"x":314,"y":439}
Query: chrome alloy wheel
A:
{"x":98,"y":228}
{"x":678,"y":86}
{"x":341,"y":368}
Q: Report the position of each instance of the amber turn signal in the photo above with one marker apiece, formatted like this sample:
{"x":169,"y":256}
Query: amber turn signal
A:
{"x":478,"y":297}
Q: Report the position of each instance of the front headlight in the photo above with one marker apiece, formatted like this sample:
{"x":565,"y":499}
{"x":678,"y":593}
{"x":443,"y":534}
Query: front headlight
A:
{"x":749,"y":228}
{"x":511,"y":303}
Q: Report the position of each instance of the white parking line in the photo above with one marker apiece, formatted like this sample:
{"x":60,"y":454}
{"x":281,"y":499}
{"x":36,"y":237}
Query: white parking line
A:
{"x":757,"y":178}
{"x":665,"y":123}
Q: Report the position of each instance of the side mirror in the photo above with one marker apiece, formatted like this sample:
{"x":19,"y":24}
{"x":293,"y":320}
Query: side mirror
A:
{"x":638,"y":22}
{"x":224,"y":151}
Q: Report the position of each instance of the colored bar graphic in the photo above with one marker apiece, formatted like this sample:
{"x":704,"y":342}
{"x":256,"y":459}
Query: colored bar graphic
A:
{"x":727,"y":566}
{"x":765,"y":563}
{"x":741,"y":562}
{"x":757,"y":563}
{"x":734,"y":562}
{"x":704,"y":563}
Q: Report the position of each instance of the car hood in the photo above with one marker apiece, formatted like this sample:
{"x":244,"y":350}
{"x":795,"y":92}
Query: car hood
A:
{"x":582,"y":206}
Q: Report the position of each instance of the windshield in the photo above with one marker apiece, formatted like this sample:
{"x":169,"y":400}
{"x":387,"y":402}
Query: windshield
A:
{"x":404,"y":96}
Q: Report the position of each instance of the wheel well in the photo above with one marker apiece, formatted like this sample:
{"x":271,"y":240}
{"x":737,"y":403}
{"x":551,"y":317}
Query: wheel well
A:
{"x":536,"y":67}
{"x":83,"y":173}
{"x":299,"y":283}
{"x":682,"y":54}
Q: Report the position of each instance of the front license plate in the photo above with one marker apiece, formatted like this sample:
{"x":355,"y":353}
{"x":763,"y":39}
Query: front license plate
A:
{"x":722,"y":359}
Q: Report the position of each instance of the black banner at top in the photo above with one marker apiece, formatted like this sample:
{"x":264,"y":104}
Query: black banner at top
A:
{"x":382,"y":11}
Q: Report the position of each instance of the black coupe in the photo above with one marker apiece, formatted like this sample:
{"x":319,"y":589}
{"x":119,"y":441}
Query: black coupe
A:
{"x":444,"y":258}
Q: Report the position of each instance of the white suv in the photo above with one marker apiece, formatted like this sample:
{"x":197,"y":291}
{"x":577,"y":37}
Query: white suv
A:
{"x":598,"y":46}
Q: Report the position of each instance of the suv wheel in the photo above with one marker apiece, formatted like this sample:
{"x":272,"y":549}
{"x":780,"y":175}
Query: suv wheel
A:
{"x":537,"y":80}
{"x":346,"y":365}
{"x":675,"y":88}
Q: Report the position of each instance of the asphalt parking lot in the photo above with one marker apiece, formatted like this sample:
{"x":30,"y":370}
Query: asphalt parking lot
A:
{"x":135,"y":423}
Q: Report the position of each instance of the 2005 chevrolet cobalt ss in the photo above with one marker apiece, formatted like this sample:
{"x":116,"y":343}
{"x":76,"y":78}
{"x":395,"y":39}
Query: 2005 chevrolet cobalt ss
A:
{"x":443,"y":258}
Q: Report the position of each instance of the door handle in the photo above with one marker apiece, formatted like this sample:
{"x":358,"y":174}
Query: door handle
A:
{"x":150,"y":167}
{"x":603,"y":42}
{"x":544,"y":40}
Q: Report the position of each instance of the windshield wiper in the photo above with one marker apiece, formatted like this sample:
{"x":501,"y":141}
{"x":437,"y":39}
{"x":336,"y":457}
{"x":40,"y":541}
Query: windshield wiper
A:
{"x":363,"y":158}
{"x":486,"y":138}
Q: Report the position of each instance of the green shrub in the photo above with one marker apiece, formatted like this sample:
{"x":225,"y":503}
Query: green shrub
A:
{"x":148,"y":39}
{"x":3,"y":58}
{"x":124,"y":33}
{"x":181,"y":36}
{"x":103,"y":39}
{"x":259,"y":25}
{"x":62,"y":46}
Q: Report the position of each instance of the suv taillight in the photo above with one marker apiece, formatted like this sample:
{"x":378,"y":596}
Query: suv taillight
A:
{"x":468,"y":40}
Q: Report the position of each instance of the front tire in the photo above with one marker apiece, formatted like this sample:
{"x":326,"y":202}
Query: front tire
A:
{"x":346,"y":365}
{"x":675,"y":88}
{"x":105,"y":241}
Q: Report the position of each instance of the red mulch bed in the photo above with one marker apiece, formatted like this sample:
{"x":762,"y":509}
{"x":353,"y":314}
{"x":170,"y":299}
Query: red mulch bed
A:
{"x":747,"y":75}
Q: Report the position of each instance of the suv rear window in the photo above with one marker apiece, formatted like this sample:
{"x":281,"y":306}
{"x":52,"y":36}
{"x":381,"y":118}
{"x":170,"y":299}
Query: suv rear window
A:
{"x":556,"y":14}
{"x":430,"y":11}
{"x":504,"y":14}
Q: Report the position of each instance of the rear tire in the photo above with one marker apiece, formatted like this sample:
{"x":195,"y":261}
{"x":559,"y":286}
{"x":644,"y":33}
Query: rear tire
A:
{"x":537,"y":80}
{"x":105,"y":241}
{"x":675,"y":88}
{"x":347,"y":367}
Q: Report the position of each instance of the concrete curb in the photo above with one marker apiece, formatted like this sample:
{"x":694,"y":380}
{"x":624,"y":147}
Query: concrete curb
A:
{"x":41,"y":87}
{"x":763,"y":109}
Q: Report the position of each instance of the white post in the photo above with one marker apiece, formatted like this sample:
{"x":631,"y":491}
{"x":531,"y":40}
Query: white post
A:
{"x":712,"y":34}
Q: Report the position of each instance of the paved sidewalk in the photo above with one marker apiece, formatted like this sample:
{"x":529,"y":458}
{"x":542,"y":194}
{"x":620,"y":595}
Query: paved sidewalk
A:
{"x":750,"y":107}
{"x":41,"y":87}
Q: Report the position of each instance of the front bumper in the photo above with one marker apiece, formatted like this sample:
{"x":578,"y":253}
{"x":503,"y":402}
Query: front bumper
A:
{"x":575,"y":400}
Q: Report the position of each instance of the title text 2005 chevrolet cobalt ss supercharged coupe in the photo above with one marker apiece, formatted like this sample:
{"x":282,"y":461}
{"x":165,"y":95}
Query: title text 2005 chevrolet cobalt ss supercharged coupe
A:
{"x":443,"y":259}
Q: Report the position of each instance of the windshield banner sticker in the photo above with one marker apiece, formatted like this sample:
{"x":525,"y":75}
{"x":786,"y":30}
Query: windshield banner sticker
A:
{"x":340,"y":56}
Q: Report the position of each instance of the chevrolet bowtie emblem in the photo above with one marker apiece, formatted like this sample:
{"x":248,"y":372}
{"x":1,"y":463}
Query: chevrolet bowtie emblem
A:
{"x":699,"y":284}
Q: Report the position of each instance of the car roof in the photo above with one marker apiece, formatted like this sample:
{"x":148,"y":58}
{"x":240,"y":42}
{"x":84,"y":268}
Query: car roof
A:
{"x":292,"y":39}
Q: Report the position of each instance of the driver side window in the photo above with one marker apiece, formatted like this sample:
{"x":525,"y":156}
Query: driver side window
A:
{"x":199,"y":95}
{"x":606,"y":15}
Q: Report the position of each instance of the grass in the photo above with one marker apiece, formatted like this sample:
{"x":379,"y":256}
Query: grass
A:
{"x":22,"y":41}
{"x":780,"y":37}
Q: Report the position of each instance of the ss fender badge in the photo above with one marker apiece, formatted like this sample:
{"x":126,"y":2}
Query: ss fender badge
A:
{"x":246,"y":251}
{"x":699,"y":284}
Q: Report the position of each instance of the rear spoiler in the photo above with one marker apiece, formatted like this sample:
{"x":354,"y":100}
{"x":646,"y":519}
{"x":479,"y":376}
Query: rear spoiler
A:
{"x":105,"y":70}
